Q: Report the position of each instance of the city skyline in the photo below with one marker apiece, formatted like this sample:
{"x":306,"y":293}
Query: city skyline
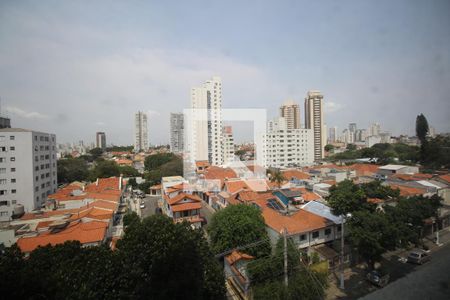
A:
{"x":61,"y":63}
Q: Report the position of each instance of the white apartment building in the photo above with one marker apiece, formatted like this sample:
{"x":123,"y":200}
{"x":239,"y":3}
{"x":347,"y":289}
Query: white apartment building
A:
{"x":28,"y":168}
{"x":228,"y":145}
{"x":176,"y":132}
{"x":140,"y":132}
{"x":332,"y":135}
{"x":374,"y":129}
{"x":314,"y":120}
{"x":287,"y":147}
{"x":291,"y":112}
{"x":100,"y":140}
{"x":205,"y":139}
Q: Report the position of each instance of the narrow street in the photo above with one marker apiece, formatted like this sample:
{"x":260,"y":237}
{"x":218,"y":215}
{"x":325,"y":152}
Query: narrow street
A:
{"x":151,"y":203}
{"x":428,"y":281}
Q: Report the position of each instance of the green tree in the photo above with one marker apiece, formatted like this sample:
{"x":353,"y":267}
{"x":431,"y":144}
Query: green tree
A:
{"x":421,"y":128}
{"x":96,"y":153}
{"x":132,"y":182}
{"x":72,"y":169}
{"x":104,"y":169}
{"x":267,"y":276}
{"x":351,"y":147}
{"x":128,"y":171}
{"x":346,"y":197}
{"x":172,"y":168}
{"x":372,"y":234}
{"x":157,"y":160}
{"x":238,"y":225}
{"x":170,"y":261}
{"x":329,"y":147}
{"x":375,"y":189}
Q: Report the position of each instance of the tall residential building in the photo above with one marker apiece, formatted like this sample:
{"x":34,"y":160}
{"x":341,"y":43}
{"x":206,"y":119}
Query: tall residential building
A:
{"x":176,"y":132}
{"x":374,"y":129}
{"x":228,"y":144}
{"x":332,"y":135}
{"x":314,"y":120}
{"x":291,"y":112}
{"x":287,"y":147}
{"x":360,"y":135}
{"x":5,"y":122}
{"x":28,"y":170}
{"x":205,"y":141}
{"x":100,"y":140}
{"x":140,"y":132}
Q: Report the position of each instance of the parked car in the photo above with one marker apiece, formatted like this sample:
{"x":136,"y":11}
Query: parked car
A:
{"x":418,"y":256}
{"x":142,"y":205}
{"x":378,"y":278}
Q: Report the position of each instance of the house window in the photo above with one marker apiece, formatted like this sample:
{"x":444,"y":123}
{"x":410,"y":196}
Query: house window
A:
{"x":328,"y":231}
{"x":315,"y":234}
{"x":302,"y":237}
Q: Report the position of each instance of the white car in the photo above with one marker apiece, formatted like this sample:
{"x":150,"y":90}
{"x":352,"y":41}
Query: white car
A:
{"x":142,"y":205}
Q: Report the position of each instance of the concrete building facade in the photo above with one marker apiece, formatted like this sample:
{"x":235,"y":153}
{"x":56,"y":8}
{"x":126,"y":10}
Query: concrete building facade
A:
{"x":176,"y":132}
{"x":140,"y":132}
{"x":205,"y":140}
{"x":314,"y":120}
{"x":291,"y":112}
{"x":228,"y":145}
{"x":287,"y":148}
{"x":100,"y":140}
{"x":28,"y":168}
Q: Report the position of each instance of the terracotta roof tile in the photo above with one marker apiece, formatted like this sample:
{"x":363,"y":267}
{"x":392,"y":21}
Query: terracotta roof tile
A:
{"x":186,"y":206}
{"x":85,"y":233}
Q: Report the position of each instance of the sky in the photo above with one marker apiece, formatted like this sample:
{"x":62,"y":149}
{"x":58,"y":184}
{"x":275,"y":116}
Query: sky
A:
{"x":76,"y":67}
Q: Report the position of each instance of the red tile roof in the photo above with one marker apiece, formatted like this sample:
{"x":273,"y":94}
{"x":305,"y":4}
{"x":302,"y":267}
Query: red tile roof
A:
{"x":186,"y":206}
{"x":181,"y":197}
{"x":407,"y":191}
{"x":299,"y":222}
{"x":85,"y":233}
{"x":296,"y":174}
{"x":219,"y":173}
{"x":237,"y":256}
{"x":234,"y":186}
{"x":445,"y":177}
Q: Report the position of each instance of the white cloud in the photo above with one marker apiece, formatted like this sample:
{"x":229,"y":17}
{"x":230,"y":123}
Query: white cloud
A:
{"x":331,"y":107}
{"x":25,"y":114}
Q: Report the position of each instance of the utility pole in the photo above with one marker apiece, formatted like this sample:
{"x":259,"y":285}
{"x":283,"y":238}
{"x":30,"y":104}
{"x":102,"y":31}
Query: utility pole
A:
{"x":285,"y":258}
{"x":342,"y":253}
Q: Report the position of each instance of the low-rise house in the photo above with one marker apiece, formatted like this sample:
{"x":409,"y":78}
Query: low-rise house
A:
{"x":183,"y":207}
{"x":397,"y":169}
{"x":88,"y":234}
{"x":235,"y":268}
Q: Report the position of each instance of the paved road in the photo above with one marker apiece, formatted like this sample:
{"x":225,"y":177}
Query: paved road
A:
{"x":206,"y":211}
{"x":429,"y":281}
{"x":151,"y":203}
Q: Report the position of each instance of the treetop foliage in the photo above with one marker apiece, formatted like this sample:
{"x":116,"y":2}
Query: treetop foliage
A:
{"x":238,"y":225}
{"x":156,"y":259}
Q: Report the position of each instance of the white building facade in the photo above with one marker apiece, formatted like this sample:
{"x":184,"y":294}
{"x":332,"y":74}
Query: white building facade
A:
{"x":228,"y":145}
{"x":287,"y":147}
{"x":140,"y":132}
{"x":28,"y":168}
{"x":176,"y":132}
{"x":314,"y":120}
{"x":206,"y":131}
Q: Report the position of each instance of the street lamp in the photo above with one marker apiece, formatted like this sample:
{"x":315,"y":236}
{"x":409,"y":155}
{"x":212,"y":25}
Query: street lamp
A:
{"x":343,"y":218}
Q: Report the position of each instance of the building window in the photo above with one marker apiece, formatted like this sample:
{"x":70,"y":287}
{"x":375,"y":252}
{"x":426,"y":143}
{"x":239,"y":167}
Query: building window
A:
{"x":3,"y":192}
{"x":13,"y":180}
{"x":302,"y":237}
{"x":13,"y":191}
{"x":3,"y":181}
{"x":315,"y":234}
{"x":13,"y":201}
{"x":328,"y":231}
{"x":2,"y":170}
{"x":12,"y":148}
{"x":13,"y":169}
{"x":12,"y":137}
{"x":13,"y":158}
{"x":2,"y":159}
{"x":339,"y":229}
